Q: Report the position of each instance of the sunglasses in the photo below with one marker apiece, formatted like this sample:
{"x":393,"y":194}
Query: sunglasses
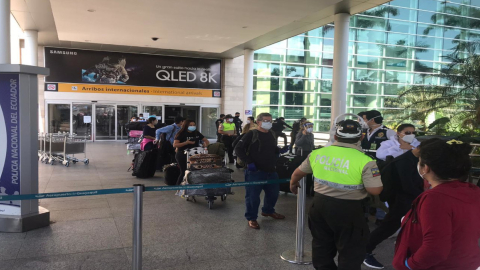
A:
{"x":410,"y":132}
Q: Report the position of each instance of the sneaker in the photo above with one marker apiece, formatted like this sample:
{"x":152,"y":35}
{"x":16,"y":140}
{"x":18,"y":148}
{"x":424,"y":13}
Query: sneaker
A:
{"x":371,"y":262}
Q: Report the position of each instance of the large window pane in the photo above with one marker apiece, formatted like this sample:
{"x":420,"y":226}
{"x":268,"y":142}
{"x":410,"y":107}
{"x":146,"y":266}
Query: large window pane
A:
{"x":105,"y":122}
{"x":398,"y":52}
{"x":58,"y":118}
{"x":296,"y":56}
{"x":369,"y":49}
{"x":298,"y":112}
{"x":402,"y":27}
{"x":273,"y":110}
{"x":265,"y":98}
{"x":432,"y":5}
{"x":327,"y":73}
{"x":274,"y":52}
{"x":299,"y":99}
{"x":367,"y":62}
{"x":363,"y":87}
{"x":393,"y":89}
{"x":397,"y":77}
{"x":325,"y":86}
{"x":371,"y":23}
{"x":266,"y":69}
{"x":296,"y":43}
{"x":295,"y":71}
{"x":371,"y":36}
{"x":402,"y":14}
{"x":362,"y":101}
{"x":266,"y":83}
{"x":300,"y":85}
{"x":396,"y":64}
{"x":366,"y":75}
{"x":428,"y":17}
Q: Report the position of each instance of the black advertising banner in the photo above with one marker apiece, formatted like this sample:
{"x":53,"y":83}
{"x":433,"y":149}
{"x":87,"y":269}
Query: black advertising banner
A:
{"x":100,"y":67}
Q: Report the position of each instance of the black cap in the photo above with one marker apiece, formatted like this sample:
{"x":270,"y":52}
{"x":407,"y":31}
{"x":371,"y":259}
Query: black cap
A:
{"x":237,"y":113}
{"x":349,"y":129}
{"x":229,"y":116}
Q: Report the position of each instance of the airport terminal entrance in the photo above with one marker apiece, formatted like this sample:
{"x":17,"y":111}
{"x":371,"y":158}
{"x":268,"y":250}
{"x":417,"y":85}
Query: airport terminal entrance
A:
{"x":103,"y":121}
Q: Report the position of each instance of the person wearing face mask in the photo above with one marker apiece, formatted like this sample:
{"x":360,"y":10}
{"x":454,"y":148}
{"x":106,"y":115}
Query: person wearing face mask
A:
{"x":296,"y":127}
{"x":229,"y":133}
{"x":238,"y":123}
{"x":305,"y":139}
{"x":188,"y":137}
{"x":402,"y":185}
{"x":343,"y":176}
{"x":376,"y":133}
{"x":442,"y":229}
{"x":397,"y":145}
{"x":258,"y":150}
{"x":250,"y":125}
{"x":217,"y":124}
{"x":149,"y":134}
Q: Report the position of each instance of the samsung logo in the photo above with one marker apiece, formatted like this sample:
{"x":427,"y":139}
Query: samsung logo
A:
{"x":62,"y":52}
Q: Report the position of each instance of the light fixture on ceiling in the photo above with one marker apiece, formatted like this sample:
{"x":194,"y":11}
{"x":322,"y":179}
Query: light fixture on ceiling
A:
{"x":155,"y":38}
{"x":91,"y":10}
{"x":87,"y":40}
{"x":245,"y":27}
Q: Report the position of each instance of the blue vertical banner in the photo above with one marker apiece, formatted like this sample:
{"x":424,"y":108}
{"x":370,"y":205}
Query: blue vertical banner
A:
{"x":9,"y":135}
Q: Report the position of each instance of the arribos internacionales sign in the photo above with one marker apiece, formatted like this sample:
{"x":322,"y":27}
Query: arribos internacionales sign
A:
{"x":128,"y":69}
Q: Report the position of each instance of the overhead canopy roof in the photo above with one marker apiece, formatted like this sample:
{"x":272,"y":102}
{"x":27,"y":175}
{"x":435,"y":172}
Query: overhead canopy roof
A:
{"x":211,"y":28}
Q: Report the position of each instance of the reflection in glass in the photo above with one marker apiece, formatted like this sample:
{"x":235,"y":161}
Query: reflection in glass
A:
{"x":266,"y":83}
{"x":105,"y":122}
{"x":124,"y":114}
{"x":82,"y":119}
{"x":58,"y":118}
{"x":208,"y":129}
{"x":265,"y":98}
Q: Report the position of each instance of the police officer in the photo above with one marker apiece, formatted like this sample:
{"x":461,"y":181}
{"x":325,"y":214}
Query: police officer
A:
{"x":228,"y":131}
{"x":343,"y":176}
{"x":377,"y":132}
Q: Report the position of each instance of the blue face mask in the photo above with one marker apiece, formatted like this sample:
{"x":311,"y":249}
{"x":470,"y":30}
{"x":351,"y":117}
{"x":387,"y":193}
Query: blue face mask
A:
{"x":267,"y":125}
{"x":192,"y":128}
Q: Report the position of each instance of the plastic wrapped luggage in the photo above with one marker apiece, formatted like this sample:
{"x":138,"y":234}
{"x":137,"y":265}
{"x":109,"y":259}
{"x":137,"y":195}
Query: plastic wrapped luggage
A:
{"x":204,"y":161}
{"x":172,"y":172}
{"x":144,"y":164}
{"x":217,"y":149}
{"x":135,"y":133}
{"x":208,"y":176}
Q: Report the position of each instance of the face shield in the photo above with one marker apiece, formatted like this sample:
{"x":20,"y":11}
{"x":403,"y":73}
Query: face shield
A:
{"x":333,"y":129}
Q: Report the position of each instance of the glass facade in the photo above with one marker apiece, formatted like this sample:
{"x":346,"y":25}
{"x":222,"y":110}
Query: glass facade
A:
{"x":392,"y":46}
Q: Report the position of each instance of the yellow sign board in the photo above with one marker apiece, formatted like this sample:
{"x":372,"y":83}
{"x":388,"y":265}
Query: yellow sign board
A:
{"x":133,"y":90}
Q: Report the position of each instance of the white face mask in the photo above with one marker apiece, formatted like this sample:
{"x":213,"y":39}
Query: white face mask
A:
{"x":248,"y":121}
{"x":309,"y":130}
{"x":418,"y":169}
{"x":267,"y":125}
{"x":408,"y":138}
{"x":230,"y":120}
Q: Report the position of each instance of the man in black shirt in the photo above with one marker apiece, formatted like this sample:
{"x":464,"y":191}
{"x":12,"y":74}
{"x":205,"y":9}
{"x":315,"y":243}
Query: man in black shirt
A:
{"x":238,"y":123}
{"x":217,"y":124}
{"x":258,"y":149}
{"x":278,"y":127}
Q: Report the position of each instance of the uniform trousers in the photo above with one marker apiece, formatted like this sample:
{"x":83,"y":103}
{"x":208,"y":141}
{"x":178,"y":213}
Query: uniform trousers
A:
{"x":337,"y":225}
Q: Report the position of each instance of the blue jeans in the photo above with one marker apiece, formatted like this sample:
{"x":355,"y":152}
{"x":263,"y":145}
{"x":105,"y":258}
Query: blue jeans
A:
{"x":252,"y":196}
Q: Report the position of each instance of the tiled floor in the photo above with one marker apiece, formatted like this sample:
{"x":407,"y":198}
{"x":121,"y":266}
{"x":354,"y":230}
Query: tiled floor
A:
{"x":96,"y":232}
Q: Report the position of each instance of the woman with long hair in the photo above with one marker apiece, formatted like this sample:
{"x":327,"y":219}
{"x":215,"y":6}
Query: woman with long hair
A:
{"x":250,"y":125}
{"x":149,"y":134}
{"x":187,"y":138}
{"x":442,"y":229}
{"x":305,"y":139}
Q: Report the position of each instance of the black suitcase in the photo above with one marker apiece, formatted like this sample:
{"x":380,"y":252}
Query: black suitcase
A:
{"x":285,"y":167}
{"x":172,"y":172}
{"x":144,"y":165}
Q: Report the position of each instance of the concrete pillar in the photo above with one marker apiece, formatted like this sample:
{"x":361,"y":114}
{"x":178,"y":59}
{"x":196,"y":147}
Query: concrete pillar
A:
{"x":340,"y":65}
{"x":5,"y":54}
{"x":31,"y":48}
{"x":248,"y":83}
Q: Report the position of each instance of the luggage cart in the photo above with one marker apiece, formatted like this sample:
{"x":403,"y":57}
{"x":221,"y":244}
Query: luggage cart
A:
{"x":74,"y":145}
{"x":209,"y":194}
{"x":55,"y":143}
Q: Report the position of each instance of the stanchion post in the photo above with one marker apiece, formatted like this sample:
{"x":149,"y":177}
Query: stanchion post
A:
{"x":299,"y":256}
{"x":137,"y":226}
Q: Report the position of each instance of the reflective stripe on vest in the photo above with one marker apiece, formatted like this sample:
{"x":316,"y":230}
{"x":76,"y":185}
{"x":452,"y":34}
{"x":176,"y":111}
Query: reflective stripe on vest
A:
{"x":228,"y":126}
{"x":339,"y":167}
{"x":338,"y":186}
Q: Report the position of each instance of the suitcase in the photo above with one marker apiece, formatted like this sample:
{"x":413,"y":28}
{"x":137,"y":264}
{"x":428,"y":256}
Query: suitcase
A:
{"x":208,"y":176}
{"x":204,"y":161}
{"x":144,"y":164}
{"x":135,"y":133}
{"x":217,"y":149}
{"x":285,"y":167}
{"x":172,"y":172}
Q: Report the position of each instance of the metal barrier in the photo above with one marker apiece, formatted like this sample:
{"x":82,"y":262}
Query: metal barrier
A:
{"x":299,"y":256}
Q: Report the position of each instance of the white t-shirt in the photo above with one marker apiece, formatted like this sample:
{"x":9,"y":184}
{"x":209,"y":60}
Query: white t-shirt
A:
{"x":392,"y":148}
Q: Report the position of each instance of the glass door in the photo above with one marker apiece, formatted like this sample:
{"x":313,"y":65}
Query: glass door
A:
{"x":104,"y":122}
{"x":82,"y":119}
{"x":154,"y":110}
{"x":124,"y":114}
{"x":209,"y":116}
{"x":58,"y":118}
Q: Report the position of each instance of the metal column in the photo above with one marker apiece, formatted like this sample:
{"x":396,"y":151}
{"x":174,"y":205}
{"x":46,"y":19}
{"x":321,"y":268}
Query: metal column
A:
{"x":137,"y":226}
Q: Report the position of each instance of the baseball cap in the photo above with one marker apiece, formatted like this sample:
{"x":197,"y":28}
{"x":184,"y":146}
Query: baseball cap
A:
{"x":349,"y":129}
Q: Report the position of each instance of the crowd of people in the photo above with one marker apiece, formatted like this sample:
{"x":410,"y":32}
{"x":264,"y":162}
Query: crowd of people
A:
{"x":417,"y":189}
